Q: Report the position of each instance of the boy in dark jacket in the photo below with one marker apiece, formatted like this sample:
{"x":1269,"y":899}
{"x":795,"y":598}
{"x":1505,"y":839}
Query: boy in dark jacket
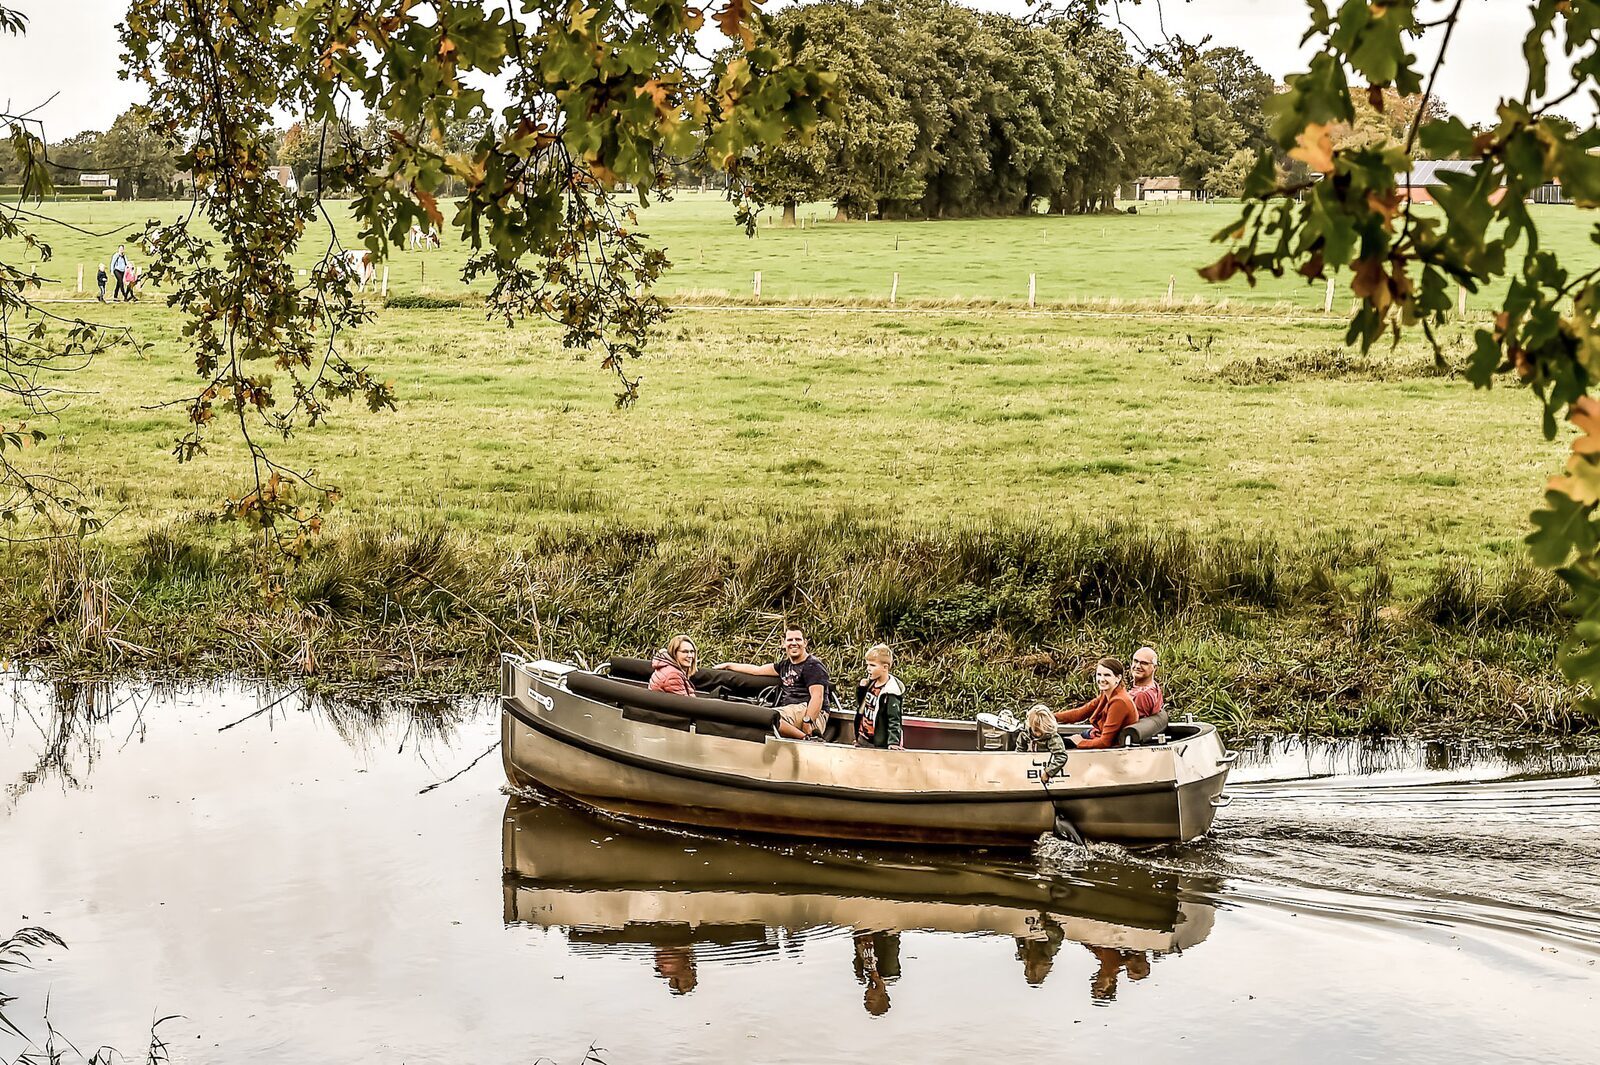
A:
{"x":100,"y":279}
{"x":880,"y":700}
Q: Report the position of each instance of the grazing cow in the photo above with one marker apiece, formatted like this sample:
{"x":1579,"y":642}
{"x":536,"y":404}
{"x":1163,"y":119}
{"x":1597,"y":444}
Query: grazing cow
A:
{"x":359,"y":266}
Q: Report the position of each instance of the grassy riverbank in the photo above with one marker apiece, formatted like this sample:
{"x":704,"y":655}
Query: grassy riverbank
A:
{"x":1254,"y":636}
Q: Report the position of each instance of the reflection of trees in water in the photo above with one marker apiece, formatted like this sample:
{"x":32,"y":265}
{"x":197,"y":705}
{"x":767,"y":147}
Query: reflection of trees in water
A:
{"x":1365,"y":757}
{"x":368,"y":723}
{"x":57,"y":730}
{"x":72,"y":720}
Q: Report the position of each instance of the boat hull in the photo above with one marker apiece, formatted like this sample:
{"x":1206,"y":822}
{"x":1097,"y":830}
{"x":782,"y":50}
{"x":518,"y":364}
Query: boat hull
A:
{"x":591,"y":752}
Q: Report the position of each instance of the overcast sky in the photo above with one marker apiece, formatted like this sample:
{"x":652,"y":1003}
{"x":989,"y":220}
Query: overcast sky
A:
{"x":71,"y":50}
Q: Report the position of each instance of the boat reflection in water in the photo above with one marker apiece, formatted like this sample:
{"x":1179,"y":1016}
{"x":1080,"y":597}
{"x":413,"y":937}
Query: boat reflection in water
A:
{"x":680,"y":899}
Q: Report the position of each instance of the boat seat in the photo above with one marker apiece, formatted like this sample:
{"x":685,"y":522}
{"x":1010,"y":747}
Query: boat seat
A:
{"x":719,"y":683}
{"x":636,"y":699}
{"x":651,"y":717}
{"x":1143,"y":731}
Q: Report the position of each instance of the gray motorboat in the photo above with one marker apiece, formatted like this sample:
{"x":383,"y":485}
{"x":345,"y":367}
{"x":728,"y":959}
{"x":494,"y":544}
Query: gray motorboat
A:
{"x":603,"y":738}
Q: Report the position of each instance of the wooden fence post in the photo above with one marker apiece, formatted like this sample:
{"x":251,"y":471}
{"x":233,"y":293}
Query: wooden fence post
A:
{"x":1172,"y":283}
{"x":1031,"y":278}
{"x":894,"y":288}
{"x":1461,"y":301}
{"x":384,"y":291}
{"x":1327,"y":301}
{"x":758,"y":284}
{"x":80,"y":277}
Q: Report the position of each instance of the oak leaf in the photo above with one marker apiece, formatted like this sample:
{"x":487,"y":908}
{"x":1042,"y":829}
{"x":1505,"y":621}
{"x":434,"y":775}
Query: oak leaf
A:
{"x":1314,"y":147}
{"x":734,"y":21}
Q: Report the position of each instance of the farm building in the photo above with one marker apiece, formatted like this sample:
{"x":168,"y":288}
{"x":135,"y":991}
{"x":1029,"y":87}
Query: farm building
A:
{"x":1163,"y":188}
{"x":1425,"y":176}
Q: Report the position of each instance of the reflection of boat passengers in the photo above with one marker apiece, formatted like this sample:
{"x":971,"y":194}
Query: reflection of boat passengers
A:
{"x":880,"y":698}
{"x":672,"y":669}
{"x":1038,"y":953}
{"x":675,"y":965}
{"x":1103,"y":984}
{"x":802,"y":686}
{"x":877,"y":962}
{"x":1107,"y":713}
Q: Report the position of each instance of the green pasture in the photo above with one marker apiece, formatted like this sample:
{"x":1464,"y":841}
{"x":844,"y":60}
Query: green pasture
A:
{"x":951,"y":417}
{"x":1129,"y":258}
{"x":1210,"y":422}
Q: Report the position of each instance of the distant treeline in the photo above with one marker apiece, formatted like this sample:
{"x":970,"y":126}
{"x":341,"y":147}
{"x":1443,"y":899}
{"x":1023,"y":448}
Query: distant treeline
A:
{"x":946,"y":112}
{"x":949,"y":111}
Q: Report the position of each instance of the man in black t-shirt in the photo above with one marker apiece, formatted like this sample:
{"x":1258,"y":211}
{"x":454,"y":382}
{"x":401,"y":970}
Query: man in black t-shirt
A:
{"x":802,"y":686}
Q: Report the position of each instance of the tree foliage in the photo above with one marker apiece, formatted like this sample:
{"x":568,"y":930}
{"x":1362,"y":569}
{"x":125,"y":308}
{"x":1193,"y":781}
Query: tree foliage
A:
{"x":1405,"y":262}
{"x":37,"y":346}
{"x":947,"y":111}
{"x":598,"y":98}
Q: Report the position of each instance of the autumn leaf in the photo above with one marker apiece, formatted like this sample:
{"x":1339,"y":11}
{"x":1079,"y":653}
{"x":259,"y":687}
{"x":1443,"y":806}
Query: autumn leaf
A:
{"x":1223,"y":268}
{"x":1314,"y":147}
{"x":734,"y":21}
{"x":1585,"y":414}
{"x":660,"y":95}
{"x":430,"y":205}
{"x":1372,"y":284}
{"x":1388,"y":205}
{"x":1581,"y":482}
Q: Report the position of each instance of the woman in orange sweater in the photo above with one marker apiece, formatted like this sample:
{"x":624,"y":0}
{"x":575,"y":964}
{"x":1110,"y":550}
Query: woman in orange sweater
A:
{"x":1107,"y":713}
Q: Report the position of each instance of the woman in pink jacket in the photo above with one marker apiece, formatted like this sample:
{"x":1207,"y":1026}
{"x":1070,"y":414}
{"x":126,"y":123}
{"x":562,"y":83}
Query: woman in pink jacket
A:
{"x":672,"y":670}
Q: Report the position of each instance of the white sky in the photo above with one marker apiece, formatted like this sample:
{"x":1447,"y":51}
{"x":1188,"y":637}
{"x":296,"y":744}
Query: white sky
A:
{"x":71,"y":50}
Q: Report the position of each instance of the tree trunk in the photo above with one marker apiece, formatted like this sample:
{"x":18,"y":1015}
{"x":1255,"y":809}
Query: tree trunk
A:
{"x":840,"y":214}
{"x":789,"y":220}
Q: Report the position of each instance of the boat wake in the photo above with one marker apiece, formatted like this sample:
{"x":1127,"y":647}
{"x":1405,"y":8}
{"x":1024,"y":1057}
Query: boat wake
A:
{"x":1506,"y":862}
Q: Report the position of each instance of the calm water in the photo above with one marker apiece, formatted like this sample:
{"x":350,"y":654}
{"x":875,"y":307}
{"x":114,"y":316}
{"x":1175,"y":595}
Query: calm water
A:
{"x":265,"y":867}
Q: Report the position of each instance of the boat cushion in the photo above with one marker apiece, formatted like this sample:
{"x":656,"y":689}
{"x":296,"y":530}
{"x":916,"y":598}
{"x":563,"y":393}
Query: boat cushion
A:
{"x":623,"y":693}
{"x":706,"y":681}
{"x":1142,"y":730}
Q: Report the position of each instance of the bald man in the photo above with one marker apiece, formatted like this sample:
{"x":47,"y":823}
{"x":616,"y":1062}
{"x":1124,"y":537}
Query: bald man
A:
{"x":1147,"y":696}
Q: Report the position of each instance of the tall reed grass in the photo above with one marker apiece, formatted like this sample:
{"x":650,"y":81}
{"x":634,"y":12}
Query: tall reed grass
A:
{"x":1253,"y":633}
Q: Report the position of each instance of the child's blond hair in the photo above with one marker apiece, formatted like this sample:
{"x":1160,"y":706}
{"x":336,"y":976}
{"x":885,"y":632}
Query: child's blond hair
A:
{"x":1040,"y":721}
{"x":880,"y":652}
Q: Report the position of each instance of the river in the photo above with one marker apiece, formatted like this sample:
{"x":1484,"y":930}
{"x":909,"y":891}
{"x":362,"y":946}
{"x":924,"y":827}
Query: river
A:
{"x":265,"y":869}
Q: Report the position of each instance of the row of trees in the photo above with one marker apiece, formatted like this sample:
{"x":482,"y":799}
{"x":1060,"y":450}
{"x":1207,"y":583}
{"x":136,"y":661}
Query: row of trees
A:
{"x":949,"y":111}
{"x":142,"y":162}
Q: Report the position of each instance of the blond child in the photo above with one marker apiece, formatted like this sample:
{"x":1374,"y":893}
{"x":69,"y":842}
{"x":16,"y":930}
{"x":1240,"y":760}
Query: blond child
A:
{"x":1040,"y":734}
{"x":880,"y":700}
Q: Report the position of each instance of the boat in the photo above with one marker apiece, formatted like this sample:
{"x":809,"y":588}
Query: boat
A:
{"x":619,"y":888}
{"x":601,"y":737}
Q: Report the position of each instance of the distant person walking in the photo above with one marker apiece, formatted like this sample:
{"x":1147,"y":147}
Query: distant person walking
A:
{"x":130,"y":277}
{"x":100,"y":278}
{"x":119,"y":267}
